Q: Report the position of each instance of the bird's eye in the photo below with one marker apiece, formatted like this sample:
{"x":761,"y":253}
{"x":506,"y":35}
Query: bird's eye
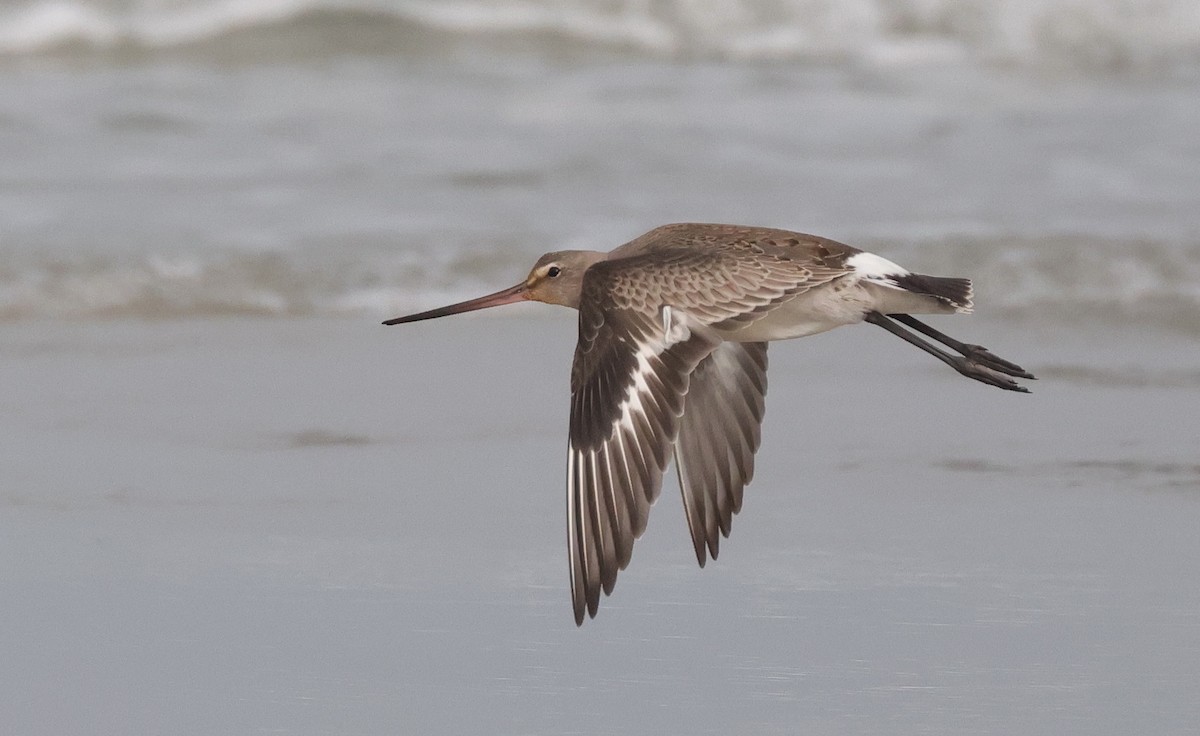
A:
{"x":553,"y":271}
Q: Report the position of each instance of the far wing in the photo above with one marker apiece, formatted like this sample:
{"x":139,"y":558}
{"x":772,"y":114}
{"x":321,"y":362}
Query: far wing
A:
{"x":718,"y":435}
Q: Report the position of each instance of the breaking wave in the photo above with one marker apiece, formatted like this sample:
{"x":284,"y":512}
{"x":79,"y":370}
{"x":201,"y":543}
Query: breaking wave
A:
{"x":1098,"y":34}
{"x":1064,"y":279}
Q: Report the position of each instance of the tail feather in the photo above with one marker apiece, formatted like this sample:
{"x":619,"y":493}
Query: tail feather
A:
{"x":955,"y":292}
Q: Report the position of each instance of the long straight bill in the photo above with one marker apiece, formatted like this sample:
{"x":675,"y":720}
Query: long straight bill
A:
{"x":508,"y":296}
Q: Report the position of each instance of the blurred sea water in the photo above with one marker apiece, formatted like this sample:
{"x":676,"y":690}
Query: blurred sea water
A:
{"x":313,"y":157}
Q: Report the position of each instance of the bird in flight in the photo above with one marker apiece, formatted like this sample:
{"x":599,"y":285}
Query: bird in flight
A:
{"x":672,"y":360}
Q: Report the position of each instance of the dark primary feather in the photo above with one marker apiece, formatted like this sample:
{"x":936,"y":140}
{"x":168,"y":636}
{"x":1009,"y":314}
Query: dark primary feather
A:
{"x":615,"y":467}
{"x":621,"y":432}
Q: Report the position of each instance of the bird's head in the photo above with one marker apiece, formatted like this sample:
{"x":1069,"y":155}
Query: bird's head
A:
{"x":556,"y":278}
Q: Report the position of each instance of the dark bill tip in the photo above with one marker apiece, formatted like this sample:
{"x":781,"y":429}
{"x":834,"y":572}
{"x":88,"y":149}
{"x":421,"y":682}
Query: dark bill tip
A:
{"x":507,"y":296}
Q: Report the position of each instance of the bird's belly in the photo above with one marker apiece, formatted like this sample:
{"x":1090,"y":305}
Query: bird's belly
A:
{"x":807,"y":314}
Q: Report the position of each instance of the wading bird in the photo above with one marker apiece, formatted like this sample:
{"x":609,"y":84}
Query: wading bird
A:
{"x":672,"y":358}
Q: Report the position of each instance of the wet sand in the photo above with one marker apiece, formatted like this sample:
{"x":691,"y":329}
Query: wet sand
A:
{"x":315,"y":526}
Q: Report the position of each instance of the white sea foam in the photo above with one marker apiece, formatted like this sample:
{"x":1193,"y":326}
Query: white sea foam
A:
{"x":1063,"y":279}
{"x":1058,"y":33}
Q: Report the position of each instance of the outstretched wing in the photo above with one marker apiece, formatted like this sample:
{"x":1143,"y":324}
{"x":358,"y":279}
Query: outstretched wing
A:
{"x":718,"y":436}
{"x":628,"y":383}
{"x":648,"y":316}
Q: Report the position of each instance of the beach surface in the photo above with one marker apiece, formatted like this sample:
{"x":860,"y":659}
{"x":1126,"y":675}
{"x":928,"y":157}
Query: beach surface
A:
{"x":327,"y":525}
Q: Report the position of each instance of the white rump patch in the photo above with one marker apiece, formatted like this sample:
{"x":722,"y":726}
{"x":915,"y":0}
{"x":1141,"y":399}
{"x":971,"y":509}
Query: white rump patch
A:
{"x":876,"y":268}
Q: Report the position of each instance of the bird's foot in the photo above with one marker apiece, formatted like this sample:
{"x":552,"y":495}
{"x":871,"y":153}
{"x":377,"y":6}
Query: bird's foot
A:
{"x":985,"y":373}
{"x":981,"y":356}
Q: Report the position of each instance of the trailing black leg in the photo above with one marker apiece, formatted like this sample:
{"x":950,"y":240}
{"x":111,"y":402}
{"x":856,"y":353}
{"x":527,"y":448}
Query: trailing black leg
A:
{"x":976,"y":353}
{"x":963,"y":364}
